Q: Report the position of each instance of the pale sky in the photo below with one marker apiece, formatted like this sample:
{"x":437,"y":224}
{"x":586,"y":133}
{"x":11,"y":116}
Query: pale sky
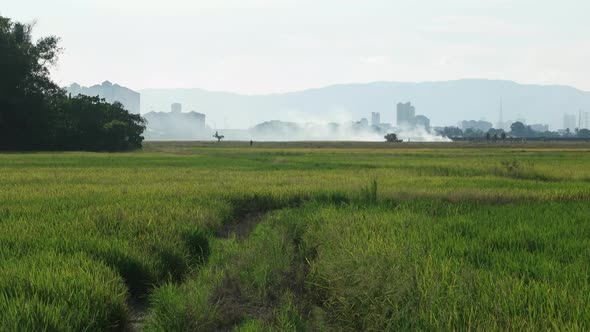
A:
{"x":264,"y":46}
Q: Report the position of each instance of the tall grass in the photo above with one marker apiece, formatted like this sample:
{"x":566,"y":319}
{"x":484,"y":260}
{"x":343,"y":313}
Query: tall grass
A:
{"x":344,"y":239}
{"x":369,"y":193}
{"x":51,"y":291}
{"x":485,"y":267}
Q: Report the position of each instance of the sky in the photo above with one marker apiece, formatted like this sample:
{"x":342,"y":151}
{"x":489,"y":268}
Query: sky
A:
{"x":271,"y":46}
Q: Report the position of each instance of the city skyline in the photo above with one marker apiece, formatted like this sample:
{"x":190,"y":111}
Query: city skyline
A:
{"x":446,"y":103}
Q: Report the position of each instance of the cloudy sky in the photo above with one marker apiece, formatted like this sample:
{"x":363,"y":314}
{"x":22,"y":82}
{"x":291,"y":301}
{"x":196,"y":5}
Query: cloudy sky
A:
{"x":263,"y":46}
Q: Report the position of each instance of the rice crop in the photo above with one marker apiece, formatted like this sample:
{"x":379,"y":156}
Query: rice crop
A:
{"x":191,"y":236}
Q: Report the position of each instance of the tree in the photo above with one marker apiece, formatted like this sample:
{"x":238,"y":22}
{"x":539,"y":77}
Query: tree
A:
{"x":473,"y":133}
{"x":452,"y":132}
{"x":90,"y":123}
{"x":35,"y":114}
{"x":503,"y":135}
{"x":549,"y":134}
{"x":26,"y":90}
{"x":519,"y":129}
{"x":585,"y":133}
{"x":391,"y":137}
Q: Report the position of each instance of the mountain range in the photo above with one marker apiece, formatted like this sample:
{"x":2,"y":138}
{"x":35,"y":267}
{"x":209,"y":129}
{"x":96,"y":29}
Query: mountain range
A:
{"x":445,"y":103}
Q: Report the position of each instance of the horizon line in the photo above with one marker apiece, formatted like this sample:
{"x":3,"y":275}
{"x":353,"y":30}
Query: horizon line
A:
{"x":339,"y":84}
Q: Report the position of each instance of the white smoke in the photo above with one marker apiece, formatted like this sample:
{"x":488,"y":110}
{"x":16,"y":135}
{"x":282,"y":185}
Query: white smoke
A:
{"x":279,"y":131}
{"x":333,"y":125}
{"x":419,"y":134}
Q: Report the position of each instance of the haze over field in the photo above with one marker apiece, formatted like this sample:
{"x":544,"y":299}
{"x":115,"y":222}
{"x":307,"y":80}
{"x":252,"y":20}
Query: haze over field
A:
{"x":267,"y":55}
{"x":445,"y":103}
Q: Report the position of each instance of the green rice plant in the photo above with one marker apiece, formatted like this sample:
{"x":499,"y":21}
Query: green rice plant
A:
{"x":279,"y":237}
{"x":519,"y":170}
{"x":51,"y":291}
{"x":381,"y":269}
{"x":369,"y":193}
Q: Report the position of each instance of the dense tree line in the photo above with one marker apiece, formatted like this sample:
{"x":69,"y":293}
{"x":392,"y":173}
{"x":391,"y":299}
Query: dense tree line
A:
{"x":36,"y":114}
{"x":517,"y":130}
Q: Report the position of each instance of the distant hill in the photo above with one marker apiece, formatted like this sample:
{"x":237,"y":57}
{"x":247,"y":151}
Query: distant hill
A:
{"x":110,"y":92}
{"x":445,"y":103}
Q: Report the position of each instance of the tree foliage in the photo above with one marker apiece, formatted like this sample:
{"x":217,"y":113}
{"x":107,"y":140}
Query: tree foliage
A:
{"x":452,"y":132}
{"x":94,"y":124}
{"x":391,"y":137}
{"x":36,"y":114}
{"x":473,"y":133}
{"x":519,"y":129}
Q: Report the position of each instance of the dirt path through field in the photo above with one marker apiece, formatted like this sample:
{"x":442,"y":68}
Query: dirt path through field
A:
{"x":137,"y":316}
{"x":242,"y":226}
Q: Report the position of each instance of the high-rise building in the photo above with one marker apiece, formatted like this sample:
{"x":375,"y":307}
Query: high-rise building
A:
{"x":375,"y":118}
{"x":569,"y":121}
{"x":422,"y":121}
{"x":501,"y":124}
{"x":582,"y":120}
{"x":176,"y":108}
{"x":176,"y":125}
{"x":476,"y":125}
{"x":405,"y":114}
{"x":540,"y":127}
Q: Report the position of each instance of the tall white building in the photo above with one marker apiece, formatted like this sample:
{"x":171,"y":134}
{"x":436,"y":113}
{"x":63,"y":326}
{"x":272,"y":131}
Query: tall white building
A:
{"x":176,"y":108}
{"x":375,"y":118}
{"x":583,"y":120}
{"x":405,"y":114}
{"x":570,"y":121}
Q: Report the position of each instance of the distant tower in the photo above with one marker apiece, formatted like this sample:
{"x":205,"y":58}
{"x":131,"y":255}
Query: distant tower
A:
{"x":176,"y":108}
{"x":375,"y":118}
{"x":500,"y":124}
{"x":569,"y":121}
{"x":405,"y":114}
{"x":422,"y":121}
